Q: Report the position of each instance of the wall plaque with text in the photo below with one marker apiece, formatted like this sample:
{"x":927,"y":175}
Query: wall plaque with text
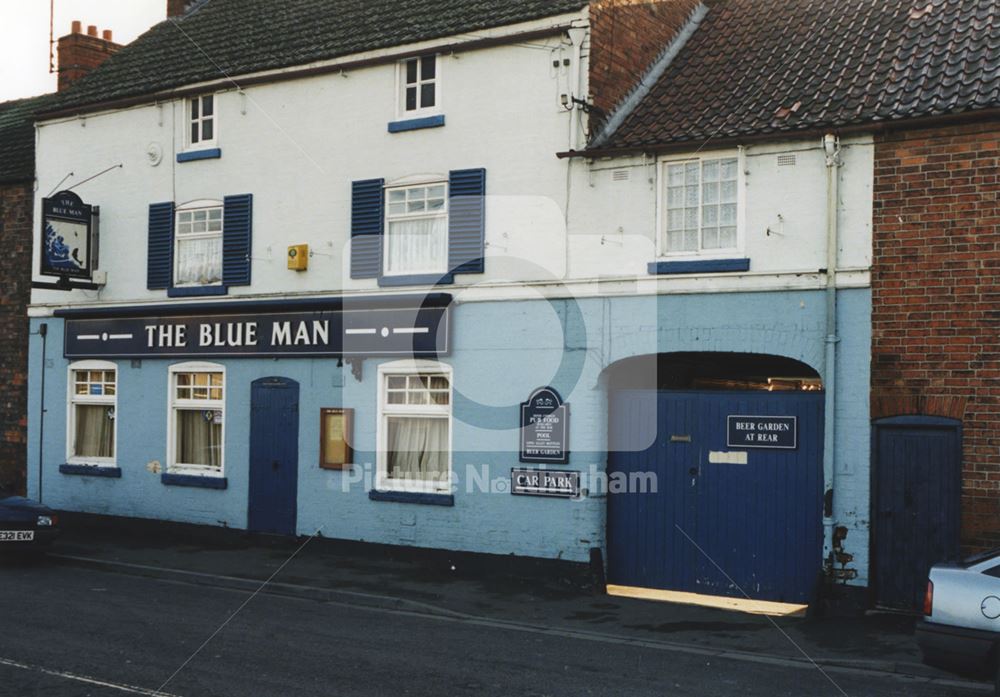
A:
{"x":545,"y":428}
{"x":558,"y":484}
{"x":780,"y":432}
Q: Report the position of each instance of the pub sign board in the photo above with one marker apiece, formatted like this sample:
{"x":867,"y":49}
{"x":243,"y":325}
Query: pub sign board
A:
{"x":778,"y":432}
{"x":420,"y":332}
{"x":545,"y":428}
{"x":558,"y":484}
{"x":68,"y":242}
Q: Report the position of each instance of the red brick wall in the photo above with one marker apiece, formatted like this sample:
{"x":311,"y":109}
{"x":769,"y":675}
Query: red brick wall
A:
{"x":626,"y":38}
{"x":936,"y":298}
{"x":15,"y":270}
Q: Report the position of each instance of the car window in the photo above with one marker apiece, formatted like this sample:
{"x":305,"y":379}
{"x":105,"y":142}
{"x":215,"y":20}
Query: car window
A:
{"x":993,"y":571}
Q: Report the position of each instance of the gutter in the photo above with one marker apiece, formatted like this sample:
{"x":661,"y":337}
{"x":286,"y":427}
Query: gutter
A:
{"x":299,"y":73}
{"x":868,"y":127}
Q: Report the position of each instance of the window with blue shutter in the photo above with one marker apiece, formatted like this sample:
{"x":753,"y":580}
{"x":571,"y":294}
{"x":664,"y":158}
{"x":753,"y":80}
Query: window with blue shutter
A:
{"x":164,"y":245}
{"x":237,"y":239}
{"x":367,"y":225}
{"x":160,"y":252}
{"x":466,"y":227}
{"x":467,"y":220}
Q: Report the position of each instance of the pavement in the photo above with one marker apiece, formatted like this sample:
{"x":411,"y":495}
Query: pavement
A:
{"x":541,"y":610}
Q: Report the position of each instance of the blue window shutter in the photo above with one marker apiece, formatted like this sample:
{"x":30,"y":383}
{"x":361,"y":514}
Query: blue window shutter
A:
{"x":367,"y":224}
{"x":160,"y":251}
{"x":467,"y":220}
{"x":237,"y":239}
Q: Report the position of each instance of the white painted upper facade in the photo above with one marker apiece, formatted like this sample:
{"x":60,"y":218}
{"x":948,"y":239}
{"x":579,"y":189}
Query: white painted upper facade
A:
{"x":552,"y":225}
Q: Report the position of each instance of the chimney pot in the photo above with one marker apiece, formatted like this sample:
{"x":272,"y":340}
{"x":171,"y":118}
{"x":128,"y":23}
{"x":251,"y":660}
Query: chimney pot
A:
{"x":107,"y":35}
{"x":92,"y":30}
{"x":77,"y":26}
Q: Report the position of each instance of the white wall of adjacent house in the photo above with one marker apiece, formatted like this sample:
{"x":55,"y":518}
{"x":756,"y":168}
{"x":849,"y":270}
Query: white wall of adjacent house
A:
{"x":297,"y":146}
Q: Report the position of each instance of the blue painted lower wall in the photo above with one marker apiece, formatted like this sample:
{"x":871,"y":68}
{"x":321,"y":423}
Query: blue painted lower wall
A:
{"x":501,"y":352}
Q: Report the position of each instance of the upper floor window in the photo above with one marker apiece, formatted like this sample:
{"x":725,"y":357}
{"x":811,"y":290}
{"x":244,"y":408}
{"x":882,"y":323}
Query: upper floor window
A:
{"x":420,"y":85}
{"x":414,"y":451}
{"x":416,"y":239}
{"x":198,"y":244}
{"x":202,"y":122}
{"x":92,"y":404}
{"x":701,"y":206}
{"x":197,"y":412}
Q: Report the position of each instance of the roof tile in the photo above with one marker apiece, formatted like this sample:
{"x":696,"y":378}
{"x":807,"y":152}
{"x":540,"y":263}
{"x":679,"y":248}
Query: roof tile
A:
{"x":228,"y":38}
{"x":845,"y":61}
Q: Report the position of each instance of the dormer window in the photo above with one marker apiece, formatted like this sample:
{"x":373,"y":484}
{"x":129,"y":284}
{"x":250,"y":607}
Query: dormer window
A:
{"x":419,"y":80}
{"x":202,"y":130}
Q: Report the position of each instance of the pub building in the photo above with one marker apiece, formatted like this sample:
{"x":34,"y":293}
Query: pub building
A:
{"x":366,"y":299}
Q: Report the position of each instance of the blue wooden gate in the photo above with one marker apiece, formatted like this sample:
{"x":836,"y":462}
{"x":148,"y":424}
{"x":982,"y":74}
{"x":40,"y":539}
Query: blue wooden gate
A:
{"x":274,"y":455}
{"x":715,"y":526}
{"x":917,"y":464}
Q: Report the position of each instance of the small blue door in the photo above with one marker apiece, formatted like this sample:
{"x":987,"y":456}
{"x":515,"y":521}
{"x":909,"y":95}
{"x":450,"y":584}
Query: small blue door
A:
{"x":274,"y":455}
{"x":918,"y":486}
{"x":723,"y":520}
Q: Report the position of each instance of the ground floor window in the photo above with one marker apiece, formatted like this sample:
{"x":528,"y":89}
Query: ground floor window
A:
{"x":197,"y":418}
{"x":414,"y":426}
{"x":92,"y":404}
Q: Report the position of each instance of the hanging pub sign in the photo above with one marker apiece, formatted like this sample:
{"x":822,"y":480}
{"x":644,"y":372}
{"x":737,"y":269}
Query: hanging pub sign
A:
{"x":535,"y":482}
{"x":545,"y":428}
{"x":68,"y":237}
{"x":780,"y":432}
{"x":420,"y":332}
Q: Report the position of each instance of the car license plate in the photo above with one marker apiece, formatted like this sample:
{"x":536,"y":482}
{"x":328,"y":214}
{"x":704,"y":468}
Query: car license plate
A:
{"x":17,"y":535}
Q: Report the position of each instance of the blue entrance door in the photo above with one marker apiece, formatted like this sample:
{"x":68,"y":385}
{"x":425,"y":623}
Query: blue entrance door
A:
{"x":918,"y":483}
{"x":722,"y":520}
{"x":274,"y":455}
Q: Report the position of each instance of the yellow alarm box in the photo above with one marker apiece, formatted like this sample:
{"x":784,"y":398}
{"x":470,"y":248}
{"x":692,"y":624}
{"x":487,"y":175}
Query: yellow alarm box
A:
{"x":298,"y":257}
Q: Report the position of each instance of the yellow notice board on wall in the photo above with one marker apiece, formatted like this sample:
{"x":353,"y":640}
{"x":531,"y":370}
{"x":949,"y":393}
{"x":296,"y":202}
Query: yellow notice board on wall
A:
{"x":336,"y":435}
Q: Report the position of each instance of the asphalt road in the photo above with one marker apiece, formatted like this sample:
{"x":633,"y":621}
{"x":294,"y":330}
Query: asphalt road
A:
{"x":71,"y":632}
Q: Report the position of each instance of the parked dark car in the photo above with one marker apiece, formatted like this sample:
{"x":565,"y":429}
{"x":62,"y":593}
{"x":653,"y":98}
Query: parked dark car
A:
{"x":25,"y":524}
{"x":961,"y":625}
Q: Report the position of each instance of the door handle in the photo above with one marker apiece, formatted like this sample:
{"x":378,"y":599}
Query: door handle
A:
{"x":274,"y":465}
{"x":694,"y":471}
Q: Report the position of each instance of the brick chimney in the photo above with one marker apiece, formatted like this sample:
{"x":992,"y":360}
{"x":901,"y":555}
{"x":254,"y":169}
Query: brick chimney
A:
{"x":176,"y":8}
{"x":80,"y":53}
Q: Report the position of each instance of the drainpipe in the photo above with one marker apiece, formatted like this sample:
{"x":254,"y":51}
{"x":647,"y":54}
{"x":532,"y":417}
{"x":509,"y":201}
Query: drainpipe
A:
{"x":43,"y":330}
{"x":576,"y":36}
{"x":831,"y":147}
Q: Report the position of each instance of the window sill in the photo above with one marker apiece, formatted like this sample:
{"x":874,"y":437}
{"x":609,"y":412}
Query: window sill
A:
{"x":416,"y":124}
{"x":206,"y":154}
{"x":427,"y":499}
{"x":429,"y":279}
{"x":195,"y":480}
{"x":109,"y":471}
{"x":664,"y":268}
{"x":196,"y":291}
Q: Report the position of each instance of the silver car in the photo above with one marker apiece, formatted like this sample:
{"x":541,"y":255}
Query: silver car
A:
{"x":961,"y":625}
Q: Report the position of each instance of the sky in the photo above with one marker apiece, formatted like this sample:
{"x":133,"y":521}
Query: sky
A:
{"x":24,"y":35}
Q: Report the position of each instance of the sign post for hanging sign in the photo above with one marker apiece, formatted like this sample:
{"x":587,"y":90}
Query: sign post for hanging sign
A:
{"x":545,"y":428}
{"x":69,"y":245}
